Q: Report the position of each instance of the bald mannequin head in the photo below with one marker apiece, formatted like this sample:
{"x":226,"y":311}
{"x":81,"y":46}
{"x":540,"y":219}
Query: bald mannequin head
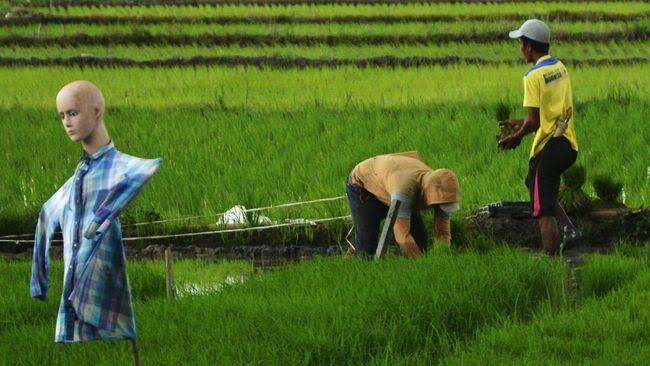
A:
{"x":81,"y":107}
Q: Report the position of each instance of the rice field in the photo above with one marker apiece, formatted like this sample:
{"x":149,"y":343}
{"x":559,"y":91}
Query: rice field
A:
{"x":243,"y":124}
{"x":441,"y":309}
{"x":245,"y":94}
{"x":259,"y":103}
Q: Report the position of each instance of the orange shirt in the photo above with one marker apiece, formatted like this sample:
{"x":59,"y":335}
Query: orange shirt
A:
{"x":405,"y":173}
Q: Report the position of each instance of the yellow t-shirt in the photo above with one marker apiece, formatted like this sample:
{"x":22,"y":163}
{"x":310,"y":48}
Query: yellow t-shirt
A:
{"x":547,"y":86}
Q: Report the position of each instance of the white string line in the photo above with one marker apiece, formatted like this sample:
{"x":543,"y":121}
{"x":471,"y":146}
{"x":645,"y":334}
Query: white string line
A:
{"x":300,"y":203}
{"x":290,"y":204}
{"x":15,"y":236}
{"x":255,"y":228}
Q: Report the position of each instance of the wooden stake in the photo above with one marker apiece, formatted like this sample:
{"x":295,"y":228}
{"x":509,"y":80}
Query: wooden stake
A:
{"x":169,"y":274}
{"x":136,"y":354}
{"x":388,"y":226}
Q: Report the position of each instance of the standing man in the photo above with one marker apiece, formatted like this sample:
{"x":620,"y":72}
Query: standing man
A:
{"x":548,"y":98}
{"x":376,"y":182}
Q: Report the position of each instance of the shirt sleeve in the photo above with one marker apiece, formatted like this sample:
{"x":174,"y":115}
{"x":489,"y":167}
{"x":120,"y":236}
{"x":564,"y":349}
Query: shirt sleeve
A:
{"x":48,"y":222}
{"x":404,"y":211}
{"x":120,"y":196}
{"x":531,"y":91}
{"x":440,"y":213}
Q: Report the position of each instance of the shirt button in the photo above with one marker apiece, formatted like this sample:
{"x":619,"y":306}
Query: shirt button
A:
{"x":70,"y":266}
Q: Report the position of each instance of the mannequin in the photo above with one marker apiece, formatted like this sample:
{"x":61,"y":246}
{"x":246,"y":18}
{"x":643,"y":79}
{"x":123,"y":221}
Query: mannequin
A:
{"x":96,"y":302}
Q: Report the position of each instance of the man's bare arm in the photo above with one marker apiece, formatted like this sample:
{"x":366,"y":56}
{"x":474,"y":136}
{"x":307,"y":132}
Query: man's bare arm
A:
{"x":530,"y":124}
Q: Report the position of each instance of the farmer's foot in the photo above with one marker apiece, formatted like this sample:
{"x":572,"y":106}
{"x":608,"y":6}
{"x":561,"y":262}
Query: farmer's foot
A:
{"x":569,"y":236}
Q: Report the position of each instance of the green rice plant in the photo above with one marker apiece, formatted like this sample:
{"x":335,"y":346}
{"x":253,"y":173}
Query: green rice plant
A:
{"x":575,"y":177}
{"x":272,"y":126}
{"x":620,"y":94}
{"x":632,"y":249}
{"x":445,"y":8}
{"x":552,"y":16}
{"x":502,"y":111}
{"x":574,"y":201}
{"x":605,"y":330}
{"x":571,"y":195}
{"x":327,"y":36}
{"x":605,"y":273}
{"x":329,"y":311}
{"x":458,"y":28}
{"x":276,"y":62}
{"x":608,"y":189}
{"x":497,"y":51}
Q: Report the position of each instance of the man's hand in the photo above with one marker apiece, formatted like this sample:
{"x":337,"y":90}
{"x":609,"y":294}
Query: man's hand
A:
{"x":513,"y":123}
{"x":530,"y":124}
{"x":510,"y":142}
{"x":509,"y":129}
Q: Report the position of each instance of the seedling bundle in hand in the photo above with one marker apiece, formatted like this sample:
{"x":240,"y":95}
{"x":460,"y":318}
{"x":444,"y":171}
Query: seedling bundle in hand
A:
{"x":502,"y":113}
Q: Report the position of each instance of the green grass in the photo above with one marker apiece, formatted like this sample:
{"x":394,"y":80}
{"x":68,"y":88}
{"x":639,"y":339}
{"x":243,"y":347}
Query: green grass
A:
{"x":449,"y":307}
{"x":147,"y":280}
{"x":611,"y":328}
{"x":423,"y":29}
{"x":242,"y":144}
{"x":323,"y":312}
{"x":329,"y":10}
{"x":293,"y":90}
{"x":501,"y":51}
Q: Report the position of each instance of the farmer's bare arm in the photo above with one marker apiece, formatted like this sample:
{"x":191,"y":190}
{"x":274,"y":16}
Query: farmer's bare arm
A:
{"x":404,"y":238}
{"x":530,"y":124}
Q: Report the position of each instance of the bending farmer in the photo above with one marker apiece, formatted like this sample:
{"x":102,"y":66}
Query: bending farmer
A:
{"x":547,"y":96}
{"x":376,"y":182}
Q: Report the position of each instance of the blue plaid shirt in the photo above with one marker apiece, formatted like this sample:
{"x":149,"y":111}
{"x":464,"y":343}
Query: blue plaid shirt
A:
{"x":96,"y":301}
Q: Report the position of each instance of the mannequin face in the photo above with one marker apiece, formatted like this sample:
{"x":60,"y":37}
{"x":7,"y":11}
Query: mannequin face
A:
{"x":79,"y":119}
{"x":80,"y":106}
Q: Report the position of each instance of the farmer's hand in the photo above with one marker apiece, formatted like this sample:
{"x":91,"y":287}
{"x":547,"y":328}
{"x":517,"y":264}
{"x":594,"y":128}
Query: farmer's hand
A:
{"x":509,"y":142}
{"x":513,"y":123}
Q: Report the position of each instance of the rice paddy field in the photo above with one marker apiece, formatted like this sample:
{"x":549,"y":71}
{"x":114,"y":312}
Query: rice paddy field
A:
{"x":441,"y":309}
{"x":265,"y":102}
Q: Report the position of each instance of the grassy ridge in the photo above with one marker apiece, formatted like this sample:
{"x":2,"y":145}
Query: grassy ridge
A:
{"x":446,"y":8}
{"x":265,"y":3}
{"x":279,"y":62}
{"x":208,"y":39}
{"x":501,"y":51}
{"x":43,"y":19}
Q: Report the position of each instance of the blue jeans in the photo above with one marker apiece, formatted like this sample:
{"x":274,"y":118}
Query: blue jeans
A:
{"x":367,"y":213}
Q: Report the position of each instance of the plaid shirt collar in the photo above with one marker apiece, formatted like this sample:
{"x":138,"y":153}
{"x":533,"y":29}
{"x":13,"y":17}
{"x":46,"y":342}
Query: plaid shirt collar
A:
{"x":99,"y":153}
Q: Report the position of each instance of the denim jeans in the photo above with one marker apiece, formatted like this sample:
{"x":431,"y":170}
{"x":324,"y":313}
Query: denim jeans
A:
{"x":367,"y":214}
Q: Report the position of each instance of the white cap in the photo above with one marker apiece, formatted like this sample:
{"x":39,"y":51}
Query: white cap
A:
{"x":533,"y":29}
{"x":450,"y":207}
